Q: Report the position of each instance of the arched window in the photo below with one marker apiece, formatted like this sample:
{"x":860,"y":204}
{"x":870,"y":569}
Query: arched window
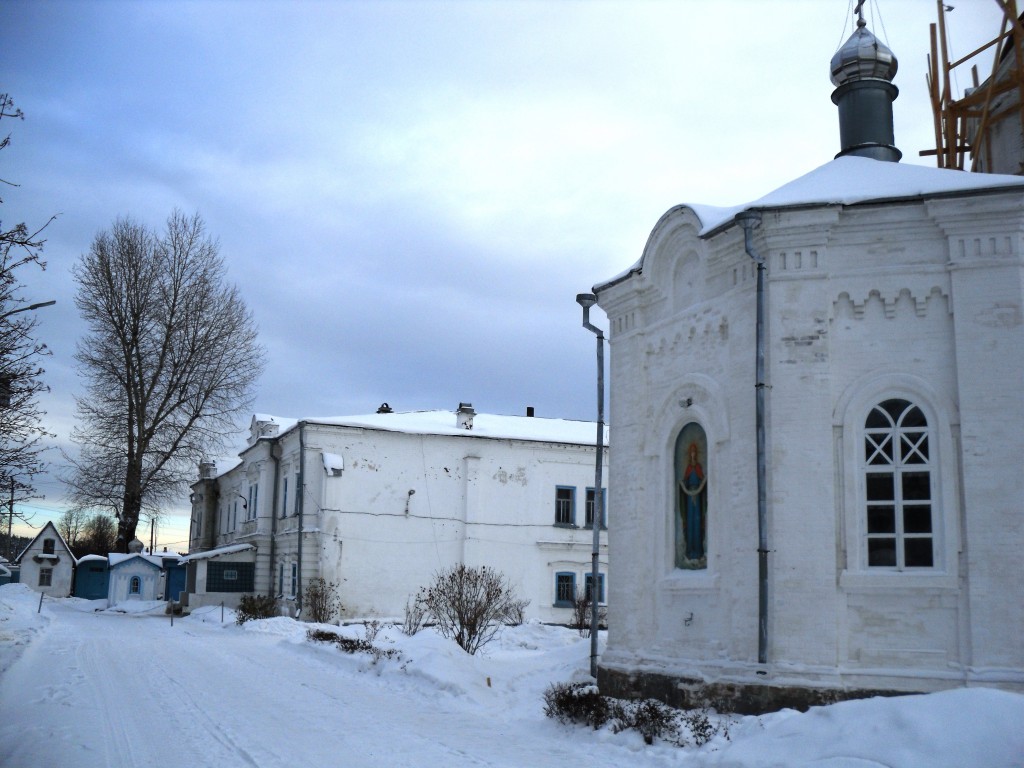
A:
{"x":691,"y":495}
{"x":898,"y":487}
{"x":135,"y":586}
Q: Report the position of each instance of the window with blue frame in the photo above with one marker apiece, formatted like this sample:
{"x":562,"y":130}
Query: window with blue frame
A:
{"x":565,"y":505}
{"x":589,"y":508}
{"x":600,"y":586}
{"x":565,"y":589}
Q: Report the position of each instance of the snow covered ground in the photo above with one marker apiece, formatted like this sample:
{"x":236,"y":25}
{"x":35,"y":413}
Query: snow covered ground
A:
{"x":91,"y":689}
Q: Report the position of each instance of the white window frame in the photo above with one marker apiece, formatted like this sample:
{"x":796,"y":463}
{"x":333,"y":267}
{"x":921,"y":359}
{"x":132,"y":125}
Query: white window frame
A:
{"x":849,"y":418}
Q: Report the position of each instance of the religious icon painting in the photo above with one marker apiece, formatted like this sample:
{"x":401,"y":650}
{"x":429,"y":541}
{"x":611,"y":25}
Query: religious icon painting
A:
{"x":691,"y":494}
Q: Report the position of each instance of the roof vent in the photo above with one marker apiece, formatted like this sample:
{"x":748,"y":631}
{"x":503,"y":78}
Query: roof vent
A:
{"x":464,"y":416}
{"x":384,"y":408}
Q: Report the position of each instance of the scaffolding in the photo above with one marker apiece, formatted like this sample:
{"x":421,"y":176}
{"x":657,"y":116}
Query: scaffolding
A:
{"x":987,"y":122}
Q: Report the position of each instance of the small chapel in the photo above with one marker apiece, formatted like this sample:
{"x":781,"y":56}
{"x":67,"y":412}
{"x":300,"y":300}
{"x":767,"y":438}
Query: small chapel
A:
{"x":817,"y":477}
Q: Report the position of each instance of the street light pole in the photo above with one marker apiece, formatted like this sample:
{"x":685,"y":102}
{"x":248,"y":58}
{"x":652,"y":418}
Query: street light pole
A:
{"x":29,"y":307}
{"x":587,"y":300}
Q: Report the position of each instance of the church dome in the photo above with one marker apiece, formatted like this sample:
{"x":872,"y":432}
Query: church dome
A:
{"x":863,"y":57}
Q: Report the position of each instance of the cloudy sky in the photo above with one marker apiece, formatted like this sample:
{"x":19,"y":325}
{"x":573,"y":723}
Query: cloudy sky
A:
{"x":410,"y":194}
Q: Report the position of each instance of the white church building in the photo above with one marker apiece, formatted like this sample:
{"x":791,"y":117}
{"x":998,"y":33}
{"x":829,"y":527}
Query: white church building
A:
{"x":378,"y":504}
{"x":828,"y":501}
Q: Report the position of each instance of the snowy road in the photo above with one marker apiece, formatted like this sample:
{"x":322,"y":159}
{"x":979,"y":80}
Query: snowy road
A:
{"x":102,"y":690}
{"x":81,"y":689}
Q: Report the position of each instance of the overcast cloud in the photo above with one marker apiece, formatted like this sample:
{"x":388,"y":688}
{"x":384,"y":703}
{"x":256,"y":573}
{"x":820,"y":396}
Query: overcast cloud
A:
{"x":411,"y":194}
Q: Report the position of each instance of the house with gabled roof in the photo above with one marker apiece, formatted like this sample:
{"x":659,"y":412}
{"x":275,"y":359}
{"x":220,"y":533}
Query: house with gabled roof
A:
{"x":47,"y":564}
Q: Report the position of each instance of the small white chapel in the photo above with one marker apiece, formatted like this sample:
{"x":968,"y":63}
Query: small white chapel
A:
{"x":817,"y":480}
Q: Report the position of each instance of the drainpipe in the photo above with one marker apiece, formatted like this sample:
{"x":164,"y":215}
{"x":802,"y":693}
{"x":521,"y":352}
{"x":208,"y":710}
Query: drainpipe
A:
{"x":587,"y":300}
{"x":301,"y":490}
{"x":750,"y":220}
{"x":275,"y":455}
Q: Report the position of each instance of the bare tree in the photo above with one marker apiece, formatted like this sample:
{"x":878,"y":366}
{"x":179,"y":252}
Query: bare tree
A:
{"x":99,"y":534}
{"x":70,"y":525}
{"x":21,"y":429}
{"x":170,"y":359}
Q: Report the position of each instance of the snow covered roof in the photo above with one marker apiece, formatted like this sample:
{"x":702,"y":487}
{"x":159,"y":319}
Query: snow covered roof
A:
{"x":49,"y":526}
{"x":90,"y":558}
{"x":119,"y":558}
{"x":484,"y":425}
{"x":851,"y":180}
{"x":228,"y":550}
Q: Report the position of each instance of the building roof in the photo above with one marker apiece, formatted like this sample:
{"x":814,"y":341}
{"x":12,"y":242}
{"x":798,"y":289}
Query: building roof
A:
{"x":230,"y":549}
{"x":119,"y":558}
{"x":441,"y":422}
{"x":854,"y":180}
{"x":49,"y":525}
{"x":847,"y":180}
{"x":485,"y":425}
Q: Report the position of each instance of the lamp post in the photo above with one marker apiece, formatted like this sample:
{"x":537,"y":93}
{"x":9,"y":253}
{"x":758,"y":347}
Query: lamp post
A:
{"x":29,"y":307}
{"x":587,"y":300}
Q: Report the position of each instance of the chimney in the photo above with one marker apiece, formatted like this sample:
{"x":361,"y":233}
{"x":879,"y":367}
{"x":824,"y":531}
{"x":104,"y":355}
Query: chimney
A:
{"x":207,"y":470}
{"x":529,"y":411}
{"x":464,"y":416}
{"x":862,"y":71}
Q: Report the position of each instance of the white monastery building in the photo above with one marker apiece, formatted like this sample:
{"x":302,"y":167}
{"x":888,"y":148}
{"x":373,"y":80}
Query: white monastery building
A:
{"x":839,"y":509}
{"x":379,"y":503}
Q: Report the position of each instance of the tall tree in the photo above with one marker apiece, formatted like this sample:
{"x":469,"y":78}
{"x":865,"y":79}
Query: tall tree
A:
{"x":170,"y":359}
{"x":21,"y":431}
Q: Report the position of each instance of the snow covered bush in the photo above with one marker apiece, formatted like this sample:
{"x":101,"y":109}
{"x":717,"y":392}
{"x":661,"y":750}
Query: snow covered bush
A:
{"x":582,"y":703}
{"x":576,"y":703}
{"x":470,"y":605}
{"x":255,"y":607}
{"x":322,"y":601}
{"x":650,"y":718}
{"x":353,"y":644}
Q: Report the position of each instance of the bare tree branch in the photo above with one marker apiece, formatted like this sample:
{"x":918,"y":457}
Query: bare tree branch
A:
{"x":21,"y":433}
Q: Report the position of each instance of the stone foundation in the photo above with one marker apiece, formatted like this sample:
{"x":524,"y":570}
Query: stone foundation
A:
{"x":737,"y":697}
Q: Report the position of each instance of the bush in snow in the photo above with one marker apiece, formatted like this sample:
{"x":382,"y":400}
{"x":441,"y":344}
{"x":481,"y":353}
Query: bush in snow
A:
{"x":415,"y":616}
{"x":471,"y":604}
{"x":352,"y":644}
{"x":321,"y":601}
{"x":576,"y":703}
{"x":651,"y":718}
{"x":255,"y":607}
{"x":582,"y":703}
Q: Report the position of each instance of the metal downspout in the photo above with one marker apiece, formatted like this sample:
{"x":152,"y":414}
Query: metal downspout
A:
{"x":275,"y":455}
{"x":301,"y":490}
{"x":587,"y":300}
{"x":750,"y":220}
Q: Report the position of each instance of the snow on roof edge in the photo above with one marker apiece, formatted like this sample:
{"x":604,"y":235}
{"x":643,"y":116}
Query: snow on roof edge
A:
{"x":846,"y":180}
{"x":230,"y":549}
